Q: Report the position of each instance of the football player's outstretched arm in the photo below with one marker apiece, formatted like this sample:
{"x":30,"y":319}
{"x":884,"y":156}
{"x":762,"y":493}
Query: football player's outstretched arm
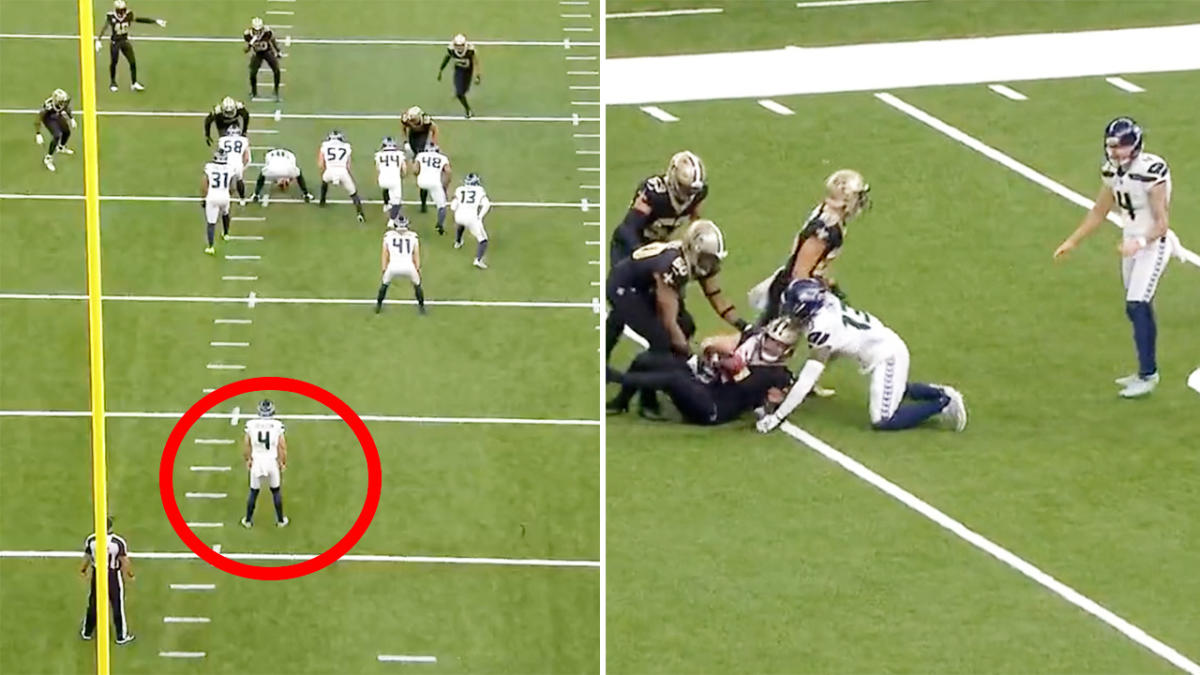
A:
{"x":723,"y":307}
{"x":667,"y":299}
{"x":433,"y":133}
{"x":478,"y":69}
{"x":383,"y":257}
{"x":208,"y":122}
{"x":417,"y":255}
{"x":203,"y":189}
{"x":446,"y":173}
{"x":445,"y":60}
{"x":245,"y":115}
{"x":1095,"y":216}
{"x":805,"y":381}
{"x":806,"y":261}
{"x":629,"y":232}
{"x":282,"y":452}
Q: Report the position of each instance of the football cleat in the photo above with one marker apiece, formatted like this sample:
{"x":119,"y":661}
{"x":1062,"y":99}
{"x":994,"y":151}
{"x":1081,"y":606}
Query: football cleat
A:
{"x":360,"y":218}
{"x":956,"y":410}
{"x":246,"y":523}
{"x":308,"y":197}
{"x":65,"y":150}
{"x":49,"y":162}
{"x":1140,"y":387}
{"x":458,"y":244}
{"x":479,"y":263}
{"x":137,"y":86}
{"x":113,"y":87}
{"x":283,"y":523}
{"x":1127,"y":380}
{"x":224,"y":237}
{"x":127,"y":639}
{"x":210,"y":250}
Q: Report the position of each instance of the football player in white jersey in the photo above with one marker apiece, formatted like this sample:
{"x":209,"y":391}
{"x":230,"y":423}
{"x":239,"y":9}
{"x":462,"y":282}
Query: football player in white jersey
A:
{"x":835,"y":329}
{"x":1139,"y":185}
{"x":237,"y":154}
{"x":334,"y":159}
{"x":264,"y":449}
{"x":279,"y":167}
{"x":392,"y":166}
{"x":433,"y":178}
{"x":217,"y":178}
{"x":400,"y":256}
{"x":470,"y":205}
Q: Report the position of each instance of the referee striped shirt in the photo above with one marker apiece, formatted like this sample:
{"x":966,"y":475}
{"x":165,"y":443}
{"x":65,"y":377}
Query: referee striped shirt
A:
{"x":115,"y":549}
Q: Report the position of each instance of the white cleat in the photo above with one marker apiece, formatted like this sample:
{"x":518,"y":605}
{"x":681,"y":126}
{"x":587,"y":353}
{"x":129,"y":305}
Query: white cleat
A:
{"x":956,"y":409}
{"x":242,"y":202}
{"x":458,"y":244}
{"x":113,"y":87}
{"x":1140,"y":387}
{"x":49,"y":162}
{"x":823,"y":392}
{"x":386,"y":207}
{"x":247,"y":524}
{"x":136,"y":86}
{"x":65,"y":150}
{"x":266,"y":199}
{"x":283,"y":523}
{"x":480,"y":264}
{"x":1127,"y":380}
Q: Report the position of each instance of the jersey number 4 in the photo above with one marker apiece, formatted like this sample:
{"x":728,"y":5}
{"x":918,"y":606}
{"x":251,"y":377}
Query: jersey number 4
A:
{"x":1125,"y":202}
{"x":264,"y":439}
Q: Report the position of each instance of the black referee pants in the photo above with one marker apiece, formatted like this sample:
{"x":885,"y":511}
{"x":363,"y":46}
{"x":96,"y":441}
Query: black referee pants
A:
{"x":116,"y":599}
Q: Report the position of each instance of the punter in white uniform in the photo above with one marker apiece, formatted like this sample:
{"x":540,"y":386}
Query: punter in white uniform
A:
{"x":835,"y":329}
{"x":391,"y":165}
{"x":470,"y":205}
{"x":1138,"y":184}
{"x":279,"y":167}
{"x":334,"y":159}
{"x":264,"y":449}
{"x":217,"y":177}
{"x":400,"y":256}
{"x":433,"y":178}
{"x":237,"y":152}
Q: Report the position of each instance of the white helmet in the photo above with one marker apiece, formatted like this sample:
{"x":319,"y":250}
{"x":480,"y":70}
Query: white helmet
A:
{"x":778,"y":340}
{"x":459,"y":44}
{"x":704,"y":247}
{"x":847,"y":188}
{"x":685,"y":176}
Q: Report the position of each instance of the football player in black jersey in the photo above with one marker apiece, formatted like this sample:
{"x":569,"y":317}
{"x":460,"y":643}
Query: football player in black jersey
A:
{"x":260,"y":43}
{"x":119,"y":20}
{"x":226,"y":114}
{"x":420,"y":131}
{"x":735,"y":374}
{"x":466,"y":64}
{"x":661,"y":205}
{"x":847,"y":194}
{"x":56,"y":116}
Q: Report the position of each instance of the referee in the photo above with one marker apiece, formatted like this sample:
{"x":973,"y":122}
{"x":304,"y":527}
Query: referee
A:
{"x":117,"y":562}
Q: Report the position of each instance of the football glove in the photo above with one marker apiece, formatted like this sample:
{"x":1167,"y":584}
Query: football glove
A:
{"x":439,"y":76}
{"x":40,"y":140}
{"x":768,"y":423}
{"x":208,"y":140}
{"x":97,"y":44}
{"x":73,"y":123}
{"x":161,"y":22}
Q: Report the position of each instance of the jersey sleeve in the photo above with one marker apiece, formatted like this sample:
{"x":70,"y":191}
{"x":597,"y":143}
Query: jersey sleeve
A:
{"x":122,"y":547}
{"x":819,"y":228}
{"x":1155,"y":172}
{"x":87,"y":545}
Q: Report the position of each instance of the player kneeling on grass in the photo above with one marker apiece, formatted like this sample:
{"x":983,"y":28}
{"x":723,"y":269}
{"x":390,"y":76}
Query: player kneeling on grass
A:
{"x":433,"y":179}
{"x":264,"y":449}
{"x":400,"y":257}
{"x":470,"y":205}
{"x":237,"y":153}
{"x":56,"y":116}
{"x":390,"y":163}
{"x":334,"y":159}
{"x":217,"y":177}
{"x":835,"y":329}
{"x":279,"y":167}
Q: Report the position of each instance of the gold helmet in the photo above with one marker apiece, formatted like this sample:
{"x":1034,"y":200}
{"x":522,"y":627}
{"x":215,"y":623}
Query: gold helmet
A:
{"x":704,"y":247}
{"x":849,"y":190}
{"x":119,"y":6}
{"x":778,"y":341}
{"x":459,"y":44}
{"x":228,"y":105}
{"x":256,"y":24}
{"x":60,"y":97}
{"x":413,"y":114}
{"x":685,"y":176}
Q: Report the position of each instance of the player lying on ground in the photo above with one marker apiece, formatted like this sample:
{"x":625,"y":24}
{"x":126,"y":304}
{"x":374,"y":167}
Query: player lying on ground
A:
{"x":834,"y":329}
{"x":1139,"y":184}
{"x":261,"y":45}
{"x":279,"y":167}
{"x":264,"y":449}
{"x":334,"y":159}
{"x":470,"y":205}
{"x":400,"y":257}
{"x":734,"y":374}
{"x":56,"y":116}
{"x":118,"y":22}
{"x":466,"y":63}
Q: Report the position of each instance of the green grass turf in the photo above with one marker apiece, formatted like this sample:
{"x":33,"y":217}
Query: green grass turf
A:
{"x":448,"y":489}
{"x":779,"y":559}
{"x":769,"y":24}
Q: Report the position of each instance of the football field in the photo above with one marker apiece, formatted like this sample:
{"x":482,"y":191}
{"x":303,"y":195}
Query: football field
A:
{"x":732,"y":551}
{"x":484,"y":554}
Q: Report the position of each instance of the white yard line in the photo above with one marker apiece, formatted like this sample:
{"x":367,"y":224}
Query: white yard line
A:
{"x":243,"y":257}
{"x":248,"y":218}
{"x":776,"y":107}
{"x":1008,"y":92}
{"x":996,"y":551}
{"x":546,"y":304}
{"x":403,"y":658}
{"x":185,"y":655}
{"x":195,"y":525}
{"x":214,"y":441}
{"x":664,"y":12}
{"x":238,"y":278}
{"x":228,"y":344}
{"x":1007,"y":161}
{"x":314,"y":417}
{"x":655,"y":112}
{"x":285,"y":557}
{"x":206,"y":495}
{"x":225,"y":366}
{"x":245,"y":237}
{"x":233,"y":321}
{"x":210,"y":468}
{"x":1124,"y":84}
{"x":436,"y":42}
{"x":192,"y":200}
{"x":193,"y":587}
{"x":186,"y":619}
